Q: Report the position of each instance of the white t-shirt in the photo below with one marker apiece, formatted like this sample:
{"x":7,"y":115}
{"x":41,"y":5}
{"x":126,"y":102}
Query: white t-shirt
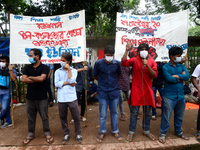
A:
{"x":196,"y":72}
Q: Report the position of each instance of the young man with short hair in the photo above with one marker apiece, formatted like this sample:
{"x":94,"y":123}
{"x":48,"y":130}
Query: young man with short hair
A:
{"x":174,"y":73}
{"x":5,"y":97}
{"x":144,"y":69}
{"x":65,"y":81}
{"x":35,"y":76}
{"x":106,"y":71}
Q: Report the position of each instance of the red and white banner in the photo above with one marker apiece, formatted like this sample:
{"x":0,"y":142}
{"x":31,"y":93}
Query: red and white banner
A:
{"x":161,"y":32}
{"x":53,"y":35}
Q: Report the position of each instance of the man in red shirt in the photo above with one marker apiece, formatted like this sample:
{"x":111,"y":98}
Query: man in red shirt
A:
{"x":144,"y":69}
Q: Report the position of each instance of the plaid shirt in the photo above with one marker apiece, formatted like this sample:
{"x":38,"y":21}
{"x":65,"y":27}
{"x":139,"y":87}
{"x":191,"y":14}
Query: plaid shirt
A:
{"x":124,"y":80}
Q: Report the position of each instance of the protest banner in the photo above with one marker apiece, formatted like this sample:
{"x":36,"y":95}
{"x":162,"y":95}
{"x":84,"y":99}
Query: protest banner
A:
{"x":53,"y":35}
{"x":161,"y":32}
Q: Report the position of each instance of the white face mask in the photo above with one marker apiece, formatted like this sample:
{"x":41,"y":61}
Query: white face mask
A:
{"x":109,"y":58}
{"x":2,"y":65}
{"x":62,"y":64}
{"x":178,"y":59}
{"x":144,"y":54}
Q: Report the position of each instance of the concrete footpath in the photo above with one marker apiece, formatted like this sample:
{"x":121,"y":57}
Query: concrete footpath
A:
{"x":11,"y":138}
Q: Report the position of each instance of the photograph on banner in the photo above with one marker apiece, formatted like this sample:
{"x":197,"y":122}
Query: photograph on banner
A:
{"x":53,"y":35}
{"x":160,"y":32}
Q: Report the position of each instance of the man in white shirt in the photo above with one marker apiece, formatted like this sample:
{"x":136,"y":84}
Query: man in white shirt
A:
{"x":65,"y":81}
{"x":196,"y":74}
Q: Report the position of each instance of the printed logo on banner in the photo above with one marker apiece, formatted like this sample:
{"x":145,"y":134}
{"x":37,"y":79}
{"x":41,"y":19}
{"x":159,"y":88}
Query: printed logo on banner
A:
{"x":152,"y":53}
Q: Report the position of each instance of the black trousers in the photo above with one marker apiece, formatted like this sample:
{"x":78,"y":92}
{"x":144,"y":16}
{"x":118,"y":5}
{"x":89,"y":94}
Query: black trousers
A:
{"x":32,"y":107}
{"x":82,"y":100}
{"x":49,"y":90}
{"x":63,"y":111}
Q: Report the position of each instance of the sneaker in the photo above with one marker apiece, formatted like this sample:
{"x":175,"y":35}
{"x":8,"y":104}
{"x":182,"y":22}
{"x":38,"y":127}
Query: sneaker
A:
{"x":2,"y":121}
{"x":79,"y":139}
{"x":65,"y":139}
{"x":153,"y":117}
{"x":6,"y":125}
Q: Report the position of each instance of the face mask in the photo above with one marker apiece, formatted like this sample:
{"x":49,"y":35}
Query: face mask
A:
{"x":2,"y":65}
{"x":90,"y":82}
{"x":62,"y":64}
{"x":144,"y":54}
{"x":31,"y":60}
{"x":178,"y":59}
{"x":109,"y":58}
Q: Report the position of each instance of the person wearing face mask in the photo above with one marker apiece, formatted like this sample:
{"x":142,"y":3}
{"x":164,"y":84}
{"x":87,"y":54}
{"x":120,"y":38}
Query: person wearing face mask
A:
{"x":144,"y":69}
{"x":65,"y":81}
{"x":106,"y":71}
{"x":174,"y":73}
{"x":6,"y":71}
{"x":35,"y":76}
{"x":92,"y":93}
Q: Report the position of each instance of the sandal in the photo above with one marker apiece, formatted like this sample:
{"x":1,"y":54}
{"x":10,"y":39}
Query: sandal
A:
{"x":72,"y":121}
{"x":99,"y":139}
{"x":198,"y":137}
{"x":122,"y":118}
{"x":118,"y":136}
{"x":162,"y":139}
{"x":49,"y":139}
{"x":183,"y":136}
{"x":27,"y":140}
{"x":129,"y":137}
{"x":150,"y":136}
{"x":83,"y":119}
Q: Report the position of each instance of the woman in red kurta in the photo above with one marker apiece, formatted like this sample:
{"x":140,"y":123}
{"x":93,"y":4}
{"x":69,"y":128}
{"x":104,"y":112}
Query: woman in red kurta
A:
{"x":144,"y":70}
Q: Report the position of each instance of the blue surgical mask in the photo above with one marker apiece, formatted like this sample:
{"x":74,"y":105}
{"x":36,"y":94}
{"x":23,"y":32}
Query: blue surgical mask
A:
{"x":90,"y":82}
{"x":31,"y":60}
{"x":62,"y":64}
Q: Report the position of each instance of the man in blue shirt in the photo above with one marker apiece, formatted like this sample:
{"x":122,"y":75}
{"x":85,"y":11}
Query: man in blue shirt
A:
{"x":106,"y":71}
{"x":174,"y":73}
{"x":5,"y":92}
{"x":49,"y":84}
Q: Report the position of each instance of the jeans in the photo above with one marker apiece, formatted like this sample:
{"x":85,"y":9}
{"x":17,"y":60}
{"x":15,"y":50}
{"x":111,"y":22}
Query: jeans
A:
{"x":146,"y":118}
{"x":5,"y":107}
{"x":121,"y":100}
{"x":49,"y":90}
{"x":198,"y":119}
{"x":179,"y":110}
{"x":32,"y":107}
{"x":160,"y":90}
{"x":103,"y":107}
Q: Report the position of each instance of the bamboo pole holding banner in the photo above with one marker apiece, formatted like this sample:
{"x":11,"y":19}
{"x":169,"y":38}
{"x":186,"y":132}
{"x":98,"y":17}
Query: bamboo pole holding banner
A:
{"x":11,"y":93}
{"x":86,"y":91}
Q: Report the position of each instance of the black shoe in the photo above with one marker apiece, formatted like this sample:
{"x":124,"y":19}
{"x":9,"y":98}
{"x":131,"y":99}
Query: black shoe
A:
{"x":65,"y":139}
{"x":51,"y":105}
{"x":2,"y":122}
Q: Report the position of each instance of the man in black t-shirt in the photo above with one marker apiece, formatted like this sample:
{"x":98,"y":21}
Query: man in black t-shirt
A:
{"x":35,"y":76}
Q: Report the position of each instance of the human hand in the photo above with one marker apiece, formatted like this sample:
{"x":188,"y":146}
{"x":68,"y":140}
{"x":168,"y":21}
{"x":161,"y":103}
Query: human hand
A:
{"x":128,"y":45}
{"x":73,"y":84}
{"x":91,"y":96}
{"x":145,"y":62}
{"x":183,"y":72}
{"x":10,"y":67}
{"x":67,"y":66}
{"x":85,"y":68}
{"x":176,"y":76}
{"x":198,"y":94}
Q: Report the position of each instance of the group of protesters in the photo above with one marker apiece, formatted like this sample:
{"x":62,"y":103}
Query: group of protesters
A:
{"x":113,"y":80}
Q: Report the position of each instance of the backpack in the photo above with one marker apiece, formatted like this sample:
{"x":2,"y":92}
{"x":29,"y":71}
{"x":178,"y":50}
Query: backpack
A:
{"x":4,"y":79}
